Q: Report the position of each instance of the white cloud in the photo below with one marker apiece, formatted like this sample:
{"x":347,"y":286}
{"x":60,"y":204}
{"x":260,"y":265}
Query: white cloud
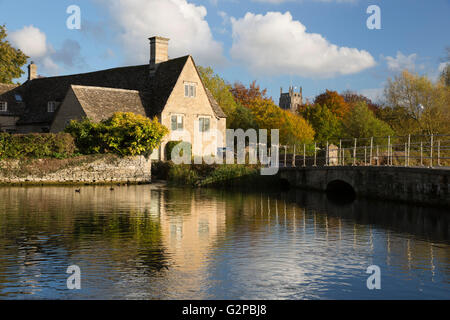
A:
{"x":402,"y":62}
{"x":275,"y":44}
{"x":282,"y":1}
{"x":183,"y":22}
{"x":31,"y":40}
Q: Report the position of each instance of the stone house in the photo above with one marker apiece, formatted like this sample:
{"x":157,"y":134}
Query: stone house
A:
{"x":169,"y":89}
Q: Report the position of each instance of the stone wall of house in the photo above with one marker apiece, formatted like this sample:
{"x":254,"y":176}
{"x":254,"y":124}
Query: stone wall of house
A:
{"x":99,"y":169}
{"x":192,"y":109}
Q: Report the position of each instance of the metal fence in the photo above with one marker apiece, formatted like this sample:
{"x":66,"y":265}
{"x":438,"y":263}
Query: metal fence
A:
{"x":406,"y":151}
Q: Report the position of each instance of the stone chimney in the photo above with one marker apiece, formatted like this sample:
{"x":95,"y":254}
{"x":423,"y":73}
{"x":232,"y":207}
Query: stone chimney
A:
{"x":32,"y":71}
{"x":159,"y":50}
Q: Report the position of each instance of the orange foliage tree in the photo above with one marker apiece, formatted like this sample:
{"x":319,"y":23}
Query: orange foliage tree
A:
{"x":293,"y":128}
{"x":335,"y":102}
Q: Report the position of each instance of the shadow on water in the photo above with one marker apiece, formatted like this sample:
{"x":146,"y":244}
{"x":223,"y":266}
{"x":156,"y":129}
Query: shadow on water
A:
{"x":340,"y":192}
{"x":424,"y":222}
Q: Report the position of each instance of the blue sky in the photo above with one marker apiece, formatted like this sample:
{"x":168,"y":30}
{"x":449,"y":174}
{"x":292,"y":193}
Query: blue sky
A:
{"x":316,"y":44}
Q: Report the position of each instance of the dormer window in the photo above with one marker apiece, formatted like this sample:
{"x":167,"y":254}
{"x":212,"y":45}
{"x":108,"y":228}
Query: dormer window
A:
{"x":3,"y":106}
{"x":51,"y":106}
{"x":190,"y":90}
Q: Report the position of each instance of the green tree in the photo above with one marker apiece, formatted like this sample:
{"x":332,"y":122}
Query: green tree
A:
{"x":326,"y":124}
{"x":361,"y":123}
{"x":219,"y":89}
{"x":237,"y":115}
{"x":11,"y":59}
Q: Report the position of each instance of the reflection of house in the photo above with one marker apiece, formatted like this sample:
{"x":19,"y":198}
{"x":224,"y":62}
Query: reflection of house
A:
{"x":171,"y":90}
{"x":189,"y":232}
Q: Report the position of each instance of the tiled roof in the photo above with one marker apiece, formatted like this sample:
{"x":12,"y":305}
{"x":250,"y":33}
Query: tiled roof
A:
{"x":161,"y":84}
{"x":8,"y":93}
{"x":38,"y":92}
{"x":101,"y":103}
{"x":217,"y":109}
{"x":154,"y":88}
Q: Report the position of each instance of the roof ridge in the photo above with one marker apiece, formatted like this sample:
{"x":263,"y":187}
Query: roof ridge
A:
{"x":102,"y":88}
{"x":110,"y":69}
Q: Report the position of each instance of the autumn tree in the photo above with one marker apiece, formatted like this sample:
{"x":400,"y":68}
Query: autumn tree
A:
{"x":334,"y":101}
{"x":293,"y":128}
{"x":445,"y":74}
{"x":11,"y":59}
{"x":246,"y":96}
{"x":352,"y":98}
{"x":417,"y":105}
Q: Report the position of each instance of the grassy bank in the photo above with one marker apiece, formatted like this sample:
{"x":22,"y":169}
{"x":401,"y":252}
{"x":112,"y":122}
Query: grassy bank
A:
{"x":203,"y":175}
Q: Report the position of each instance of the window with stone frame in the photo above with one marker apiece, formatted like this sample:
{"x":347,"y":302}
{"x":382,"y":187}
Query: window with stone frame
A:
{"x":190,"y":90}
{"x":177,"y":122}
{"x":204,"y":124}
{"x":3,"y":106}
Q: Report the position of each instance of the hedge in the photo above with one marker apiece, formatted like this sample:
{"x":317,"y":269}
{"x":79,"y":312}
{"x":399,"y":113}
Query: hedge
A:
{"x":36,"y":145}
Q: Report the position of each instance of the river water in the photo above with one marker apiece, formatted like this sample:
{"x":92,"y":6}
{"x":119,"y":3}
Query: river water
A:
{"x":159,"y":242}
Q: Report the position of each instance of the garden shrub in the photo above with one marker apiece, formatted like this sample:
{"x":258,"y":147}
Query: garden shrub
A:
{"x":36,"y":145}
{"x":125,"y":134}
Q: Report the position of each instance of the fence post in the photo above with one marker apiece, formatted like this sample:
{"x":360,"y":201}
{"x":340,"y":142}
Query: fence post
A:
{"x":354,"y":154}
{"x":340,"y":162}
{"x":293,"y":158}
{"x":327,"y":160}
{"x":409,"y":148}
{"x":285,"y":156}
{"x":406,"y":154}
{"x":365,"y":155}
{"x":315,"y":154}
{"x":378,"y":157}
{"x":421,"y":153}
{"x":343,"y":157}
{"x":431,"y":152}
{"x":439,"y":153}
{"x":304,"y":154}
{"x":371,"y":149}
{"x":389,"y":151}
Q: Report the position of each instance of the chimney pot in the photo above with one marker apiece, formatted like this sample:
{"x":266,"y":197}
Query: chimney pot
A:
{"x":159,"y":50}
{"x":32,"y":71}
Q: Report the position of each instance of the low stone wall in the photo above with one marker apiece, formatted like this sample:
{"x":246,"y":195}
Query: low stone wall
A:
{"x":96,"y":169}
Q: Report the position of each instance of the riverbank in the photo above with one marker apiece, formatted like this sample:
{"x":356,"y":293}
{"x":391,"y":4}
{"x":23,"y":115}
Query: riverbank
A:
{"x":86,"y":169}
{"x":217,"y":176}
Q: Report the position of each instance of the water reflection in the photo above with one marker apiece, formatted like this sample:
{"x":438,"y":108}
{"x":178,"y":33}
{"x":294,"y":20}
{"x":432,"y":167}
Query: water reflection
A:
{"x":155,"y":242}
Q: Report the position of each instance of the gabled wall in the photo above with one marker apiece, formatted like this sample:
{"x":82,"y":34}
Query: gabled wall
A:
{"x":192,"y":109}
{"x":70,"y":109}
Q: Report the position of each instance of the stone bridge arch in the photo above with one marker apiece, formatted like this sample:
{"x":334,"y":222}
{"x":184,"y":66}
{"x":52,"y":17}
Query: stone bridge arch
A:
{"x":407,"y":184}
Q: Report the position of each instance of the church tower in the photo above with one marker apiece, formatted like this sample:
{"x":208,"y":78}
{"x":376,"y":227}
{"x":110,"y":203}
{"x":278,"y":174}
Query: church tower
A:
{"x":291,"y":100}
